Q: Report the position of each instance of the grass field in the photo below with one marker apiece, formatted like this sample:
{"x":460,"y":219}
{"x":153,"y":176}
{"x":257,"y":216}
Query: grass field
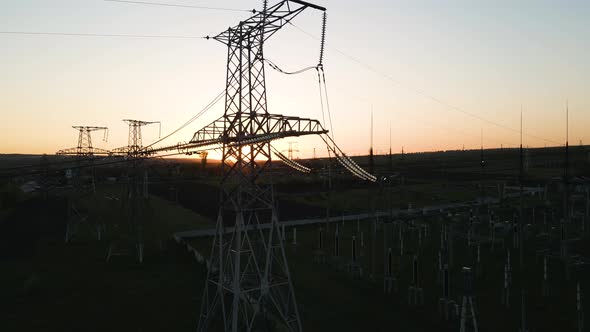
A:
{"x":47,"y":285}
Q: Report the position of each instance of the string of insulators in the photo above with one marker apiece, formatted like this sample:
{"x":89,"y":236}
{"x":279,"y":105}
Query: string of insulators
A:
{"x":359,"y":171}
{"x":346,"y":161}
{"x":295,"y":165}
{"x":323,"y":40}
{"x":349,"y":168}
{"x":256,"y":139}
{"x":352,"y":166}
{"x":369,"y":176}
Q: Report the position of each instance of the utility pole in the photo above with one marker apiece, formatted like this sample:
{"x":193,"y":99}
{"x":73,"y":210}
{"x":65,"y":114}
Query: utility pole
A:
{"x":371,"y":156}
{"x":521,"y":236}
{"x":390,"y":154}
{"x":566,"y":219}
{"x":482,"y":164}
{"x":371,"y":205}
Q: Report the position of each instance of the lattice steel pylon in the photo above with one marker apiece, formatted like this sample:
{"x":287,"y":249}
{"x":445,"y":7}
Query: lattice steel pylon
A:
{"x":137,"y":183}
{"x":248,"y":283}
{"x":83,"y":152}
{"x":290,"y":150}
{"x":85,"y":147}
{"x":134,"y":141}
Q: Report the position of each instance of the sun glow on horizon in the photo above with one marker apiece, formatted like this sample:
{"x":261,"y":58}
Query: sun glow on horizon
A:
{"x":446,"y":74}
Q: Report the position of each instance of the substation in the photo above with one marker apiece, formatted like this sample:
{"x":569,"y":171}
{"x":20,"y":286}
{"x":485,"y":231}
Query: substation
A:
{"x":478,"y":240}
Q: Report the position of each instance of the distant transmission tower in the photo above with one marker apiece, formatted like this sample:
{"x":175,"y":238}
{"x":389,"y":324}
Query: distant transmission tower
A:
{"x":390,"y":154}
{"x":134,"y":141}
{"x":291,"y":150}
{"x":249,"y":286}
{"x":84,"y":147}
{"x":83,"y":152}
{"x":371,"y":156}
{"x":137,"y":183}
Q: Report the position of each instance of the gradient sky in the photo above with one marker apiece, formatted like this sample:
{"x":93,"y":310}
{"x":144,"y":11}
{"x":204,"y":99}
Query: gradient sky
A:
{"x":420,"y":65}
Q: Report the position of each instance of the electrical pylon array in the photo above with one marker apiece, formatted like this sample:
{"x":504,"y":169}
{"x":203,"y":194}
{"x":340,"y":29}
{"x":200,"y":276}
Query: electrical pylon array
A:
{"x":136,"y":189}
{"x":248,"y":285}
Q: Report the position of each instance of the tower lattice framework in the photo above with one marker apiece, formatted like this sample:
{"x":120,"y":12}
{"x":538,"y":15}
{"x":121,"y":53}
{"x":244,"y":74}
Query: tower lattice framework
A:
{"x":136,"y":192}
{"x":248,"y":284}
{"x":84,"y":147}
{"x":84,"y":153}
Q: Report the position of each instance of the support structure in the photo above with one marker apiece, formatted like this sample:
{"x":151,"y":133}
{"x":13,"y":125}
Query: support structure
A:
{"x":521,"y":238}
{"x":84,"y":153}
{"x":137,"y":190}
{"x":84,"y":147}
{"x":468,"y":317}
{"x":248,"y":283}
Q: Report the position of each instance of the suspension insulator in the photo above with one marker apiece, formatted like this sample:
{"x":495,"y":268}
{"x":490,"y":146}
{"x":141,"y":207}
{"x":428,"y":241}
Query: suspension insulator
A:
{"x":323,"y":41}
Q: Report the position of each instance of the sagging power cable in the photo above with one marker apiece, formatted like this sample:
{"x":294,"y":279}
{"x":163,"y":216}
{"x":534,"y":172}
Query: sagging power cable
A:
{"x":191,"y":120}
{"x":321,"y":68}
{"x":446,"y":106}
{"x":277,"y":68}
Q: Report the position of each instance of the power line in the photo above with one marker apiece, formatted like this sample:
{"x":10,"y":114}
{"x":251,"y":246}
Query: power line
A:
{"x":34,"y":33}
{"x":422,"y":92}
{"x":182,"y":6}
{"x":278,"y":69}
{"x":203,"y":111}
{"x":93,"y":158}
{"x":358,"y":61}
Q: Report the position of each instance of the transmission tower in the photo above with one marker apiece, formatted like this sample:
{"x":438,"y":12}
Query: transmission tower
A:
{"x":83,"y":153}
{"x":248,"y":284}
{"x":203,"y":155}
{"x":136,"y":185}
{"x":290,"y":150}
{"x":134,"y":141}
{"x":85,"y":147}
{"x":371,"y":156}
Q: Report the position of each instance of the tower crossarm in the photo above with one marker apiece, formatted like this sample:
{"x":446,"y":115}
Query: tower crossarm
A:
{"x":264,"y":24}
{"x":89,"y":128}
{"x":85,"y":147}
{"x":279,"y":126}
{"x":276,"y":126}
{"x":89,"y":152}
{"x":70,"y":151}
{"x":122,"y":151}
{"x":139,"y":122}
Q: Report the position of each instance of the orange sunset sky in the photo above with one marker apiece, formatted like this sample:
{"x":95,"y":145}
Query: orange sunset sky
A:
{"x":435,"y":73}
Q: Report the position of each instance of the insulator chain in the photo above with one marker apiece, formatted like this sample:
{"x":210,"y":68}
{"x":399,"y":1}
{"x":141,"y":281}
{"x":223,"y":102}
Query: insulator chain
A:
{"x":323,"y":41}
